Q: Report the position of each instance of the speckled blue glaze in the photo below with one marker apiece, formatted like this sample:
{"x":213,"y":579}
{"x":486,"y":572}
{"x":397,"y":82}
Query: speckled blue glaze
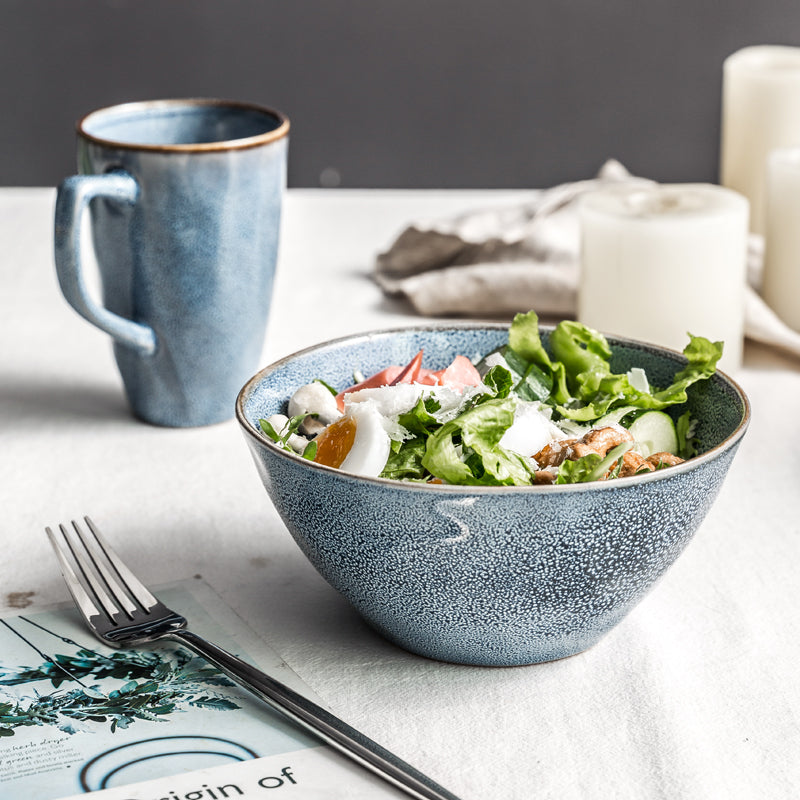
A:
{"x":185,"y":201}
{"x":489,"y":576}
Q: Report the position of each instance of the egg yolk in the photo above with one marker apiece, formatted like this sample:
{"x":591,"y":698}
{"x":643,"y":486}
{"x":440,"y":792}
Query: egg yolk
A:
{"x":334,"y":443}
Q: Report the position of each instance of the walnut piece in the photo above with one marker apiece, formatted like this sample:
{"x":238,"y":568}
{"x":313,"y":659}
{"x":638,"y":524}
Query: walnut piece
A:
{"x":664,"y":460}
{"x":599,"y":441}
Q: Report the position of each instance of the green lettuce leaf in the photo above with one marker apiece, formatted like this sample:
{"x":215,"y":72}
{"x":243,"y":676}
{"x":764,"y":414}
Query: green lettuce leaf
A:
{"x":583,"y":386}
{"x":685,"y":427}
{"x":466,"y":450}
{"x":281,"y":438}
{"x":584,"y":352}
{"x":405,"y":460}
{"x":420,"y":420}
{"x":499,"y":381}
{"x":524,"y":340}
{"x":531,"y":381}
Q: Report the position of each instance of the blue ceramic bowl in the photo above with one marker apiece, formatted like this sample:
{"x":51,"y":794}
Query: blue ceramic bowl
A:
{"x":494,"y":576}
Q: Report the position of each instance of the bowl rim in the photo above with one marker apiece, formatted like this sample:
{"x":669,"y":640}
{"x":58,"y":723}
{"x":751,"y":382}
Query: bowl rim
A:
{"x":614,"y":485}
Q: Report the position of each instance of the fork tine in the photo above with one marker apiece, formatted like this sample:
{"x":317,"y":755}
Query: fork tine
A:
{"x":135,"y":587}
{"x":118,"y":593}
{"x":79,"y":592}
{"x":91,"y":582}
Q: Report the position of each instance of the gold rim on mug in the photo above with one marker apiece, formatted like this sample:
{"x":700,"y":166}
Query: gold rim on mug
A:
{"x":199,"y":147}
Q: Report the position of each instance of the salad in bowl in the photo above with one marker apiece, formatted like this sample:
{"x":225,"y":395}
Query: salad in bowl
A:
{"x":519,"y":415}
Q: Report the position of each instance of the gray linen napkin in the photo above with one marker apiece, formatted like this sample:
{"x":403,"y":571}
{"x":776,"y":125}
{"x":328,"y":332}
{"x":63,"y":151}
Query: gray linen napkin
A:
{"x":497,"y":262}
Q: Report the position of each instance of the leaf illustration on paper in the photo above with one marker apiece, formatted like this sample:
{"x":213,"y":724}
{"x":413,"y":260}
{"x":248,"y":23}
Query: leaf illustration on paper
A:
{"x":153,"y":686}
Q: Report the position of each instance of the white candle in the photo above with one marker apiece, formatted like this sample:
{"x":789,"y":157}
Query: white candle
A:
{"x":781,"y":281}
{"x":760,"y":112}
{"x":660,"y":261}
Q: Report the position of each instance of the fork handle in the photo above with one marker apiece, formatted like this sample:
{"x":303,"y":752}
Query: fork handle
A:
{"x":317,"y":720}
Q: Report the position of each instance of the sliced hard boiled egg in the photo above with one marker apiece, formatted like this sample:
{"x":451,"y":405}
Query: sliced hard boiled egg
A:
{"x":357,"y":442}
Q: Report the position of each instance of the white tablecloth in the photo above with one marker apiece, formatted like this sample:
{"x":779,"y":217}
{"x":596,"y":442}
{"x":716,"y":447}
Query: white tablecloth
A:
{"x":695,"y":695}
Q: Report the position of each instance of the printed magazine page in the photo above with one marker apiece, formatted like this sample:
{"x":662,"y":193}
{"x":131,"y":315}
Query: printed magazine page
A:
{"x":77,"y":717}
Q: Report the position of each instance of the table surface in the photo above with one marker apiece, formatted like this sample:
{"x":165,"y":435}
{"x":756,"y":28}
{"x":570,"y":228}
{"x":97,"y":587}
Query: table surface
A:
{"x":694,"y":695}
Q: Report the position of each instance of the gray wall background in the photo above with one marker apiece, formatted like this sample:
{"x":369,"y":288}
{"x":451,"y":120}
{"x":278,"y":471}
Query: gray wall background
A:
{"x":396,"y":93}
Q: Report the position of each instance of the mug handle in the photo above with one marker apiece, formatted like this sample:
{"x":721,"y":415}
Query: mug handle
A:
{"x":72,"y":202}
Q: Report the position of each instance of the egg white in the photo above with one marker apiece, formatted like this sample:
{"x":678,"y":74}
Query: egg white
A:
{"x":371,"y":444}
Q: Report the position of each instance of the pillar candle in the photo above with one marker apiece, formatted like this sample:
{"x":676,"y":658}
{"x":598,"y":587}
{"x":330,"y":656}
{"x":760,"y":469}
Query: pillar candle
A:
{"x":664,"y":260}
{"x":781,"y":281}
{"x":760,"y":112}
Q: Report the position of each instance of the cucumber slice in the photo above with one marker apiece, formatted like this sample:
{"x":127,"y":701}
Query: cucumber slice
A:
{"x":654,"y":432}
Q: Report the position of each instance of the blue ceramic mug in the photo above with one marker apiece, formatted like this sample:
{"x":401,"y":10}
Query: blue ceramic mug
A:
{"x":184,"y":198}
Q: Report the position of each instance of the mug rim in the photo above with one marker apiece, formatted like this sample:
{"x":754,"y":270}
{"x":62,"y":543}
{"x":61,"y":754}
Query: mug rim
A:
{"x":198,"y":147}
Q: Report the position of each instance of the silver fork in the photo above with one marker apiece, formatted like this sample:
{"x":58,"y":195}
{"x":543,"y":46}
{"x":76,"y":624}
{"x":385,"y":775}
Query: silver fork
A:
{"x":120,"y":611}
